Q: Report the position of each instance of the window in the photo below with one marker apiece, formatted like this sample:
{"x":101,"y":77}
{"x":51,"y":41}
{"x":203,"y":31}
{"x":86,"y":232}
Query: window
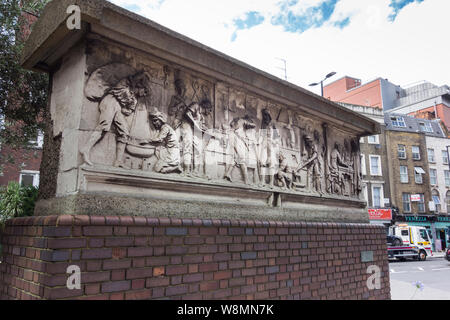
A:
{"x":363,"y":165}
{"x":444,"y":157}
{"x":447,"y":200}
{"x":406,"y":199}
{"x":29,"y":178}
{"x":375,"y":166}
{"x":404,"y":174}
{"x":431,"y":157}
{"x":401,"y":151}
{"x":424,"y":235}
{"x":436,"y":200}
{"x":38,"y":140}
{"x":421,"y":204}
{"x":418,"y":172}
{"x":447,"y":178}
{"x":433,"y":177}
{"x":377,"y":196}
{"x":398,"y":122}
{"x":373,"y":139}
{"x":416,"y":153}
{"x":425,"y":127}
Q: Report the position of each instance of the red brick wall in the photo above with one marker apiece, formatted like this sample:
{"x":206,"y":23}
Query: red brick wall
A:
{"x":368,"y":94}
{"x":11,"y":169}
{"x":443,"y":113}
{"x":150,"y":258}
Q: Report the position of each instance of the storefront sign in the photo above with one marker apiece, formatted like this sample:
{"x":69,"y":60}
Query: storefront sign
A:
{"x":416,"y":219}
{"x":443,"y":219}
{"x":380,"y":214}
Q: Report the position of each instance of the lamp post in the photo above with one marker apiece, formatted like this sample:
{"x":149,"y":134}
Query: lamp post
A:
{"x":321,"y":82}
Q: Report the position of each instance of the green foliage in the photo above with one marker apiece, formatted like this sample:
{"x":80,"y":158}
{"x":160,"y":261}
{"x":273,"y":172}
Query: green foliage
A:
{"x":17,"y":201}
{"x":23,"y":93}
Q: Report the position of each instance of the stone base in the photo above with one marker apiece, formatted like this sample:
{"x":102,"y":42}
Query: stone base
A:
{"x":152,"y":258}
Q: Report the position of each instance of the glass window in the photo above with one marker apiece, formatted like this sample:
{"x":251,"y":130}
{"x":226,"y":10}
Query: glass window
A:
{"x":431,"y":157}
{"x":447,"y":200}
{"x":426,"y":127}
{"x":424,"y":234}
{"x":398,"y":122}
{"x":375,"y":166}
{"x":421,"y":204}
{"x":416,"y":153}
{"x":37,"y":140}
{"x":444,"y":156}
{"x":418,"y":172}
{"x":401,"y":151}
{"x":29,"y":178}
{"x":404,"y":174}
{"x":373,"y":139}
{"x":376,"y":197}
{"x":447,"y":178}
{"x":436,"y":200}
{"x":433,"y":177}
{"x":406,"y":199}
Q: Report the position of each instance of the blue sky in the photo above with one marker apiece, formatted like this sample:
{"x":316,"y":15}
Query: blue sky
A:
{"x":396,"y":39}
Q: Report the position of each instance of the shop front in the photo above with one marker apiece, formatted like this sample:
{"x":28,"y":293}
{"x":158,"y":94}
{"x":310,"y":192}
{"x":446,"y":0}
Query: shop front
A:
{"x":381,"y":216}
{"x":438,"y":226}
{"x":442,"y":226}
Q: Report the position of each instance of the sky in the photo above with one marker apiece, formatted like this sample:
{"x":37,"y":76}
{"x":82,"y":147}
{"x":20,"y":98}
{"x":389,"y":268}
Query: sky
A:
{"x":404,"y":41}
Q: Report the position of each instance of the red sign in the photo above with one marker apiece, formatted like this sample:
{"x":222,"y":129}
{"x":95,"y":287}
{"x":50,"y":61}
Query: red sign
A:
{"x":380,"y":214}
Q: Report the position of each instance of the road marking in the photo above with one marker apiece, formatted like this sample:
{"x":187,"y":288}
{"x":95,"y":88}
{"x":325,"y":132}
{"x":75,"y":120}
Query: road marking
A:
{"x":421,"y":269}
{"x":440,"y":269}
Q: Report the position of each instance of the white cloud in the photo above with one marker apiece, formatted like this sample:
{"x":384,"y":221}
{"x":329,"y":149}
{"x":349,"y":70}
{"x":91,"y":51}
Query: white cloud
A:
{"x":411,"y":48}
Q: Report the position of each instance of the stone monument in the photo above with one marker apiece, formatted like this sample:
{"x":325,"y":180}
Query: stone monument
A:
{"x":151,"y":127}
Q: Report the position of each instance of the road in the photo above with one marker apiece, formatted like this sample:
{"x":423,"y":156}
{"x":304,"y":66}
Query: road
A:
{"x":434,"y":274}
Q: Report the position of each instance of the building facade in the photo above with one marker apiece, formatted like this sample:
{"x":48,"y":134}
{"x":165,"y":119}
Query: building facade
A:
{"x":416,"y":162}
{"x":374,"y":168}
{"x":422,"y":100}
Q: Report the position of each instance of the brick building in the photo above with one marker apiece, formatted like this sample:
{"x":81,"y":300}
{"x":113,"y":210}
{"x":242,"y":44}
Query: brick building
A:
{"x":374,"y":167}
{"x":423,"y":100}
{"x":22,"y":165}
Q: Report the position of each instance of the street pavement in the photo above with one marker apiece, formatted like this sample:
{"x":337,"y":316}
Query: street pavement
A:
{"x":433,"y":275}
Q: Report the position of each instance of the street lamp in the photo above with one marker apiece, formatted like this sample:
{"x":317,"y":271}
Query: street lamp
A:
{"x":321,"y":82}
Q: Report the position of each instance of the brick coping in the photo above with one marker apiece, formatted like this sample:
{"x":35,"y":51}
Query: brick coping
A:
{"x":80,"y":220}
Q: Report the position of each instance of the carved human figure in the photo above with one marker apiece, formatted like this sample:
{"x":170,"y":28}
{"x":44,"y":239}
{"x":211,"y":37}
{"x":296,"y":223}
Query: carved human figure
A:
{"x":269,"y":142}
{"x":118,"y":102}
{"x":313,"y":164}
{"x":284,"y":177}
{"x":178,"y":104}
{"x":167,"y":147}
{"x":357,"y":175}
{"x":192,"y":128}
{"x":336,"y":177}
{"x":239,"y":146}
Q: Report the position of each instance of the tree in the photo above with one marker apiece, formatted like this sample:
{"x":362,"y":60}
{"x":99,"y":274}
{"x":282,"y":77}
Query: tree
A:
{"x":23,"y":93}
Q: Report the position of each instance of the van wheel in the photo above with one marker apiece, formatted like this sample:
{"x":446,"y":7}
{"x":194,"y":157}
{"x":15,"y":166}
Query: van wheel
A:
{"x":422,"y":255}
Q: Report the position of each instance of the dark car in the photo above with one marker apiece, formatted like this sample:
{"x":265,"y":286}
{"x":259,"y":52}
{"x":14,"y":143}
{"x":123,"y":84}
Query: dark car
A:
{"x":394,"y":240}
{"x":447,"y":254}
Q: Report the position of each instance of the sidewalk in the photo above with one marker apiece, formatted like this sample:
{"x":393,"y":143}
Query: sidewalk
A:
{"x":437,"y":255}
{"x":406,"y":291}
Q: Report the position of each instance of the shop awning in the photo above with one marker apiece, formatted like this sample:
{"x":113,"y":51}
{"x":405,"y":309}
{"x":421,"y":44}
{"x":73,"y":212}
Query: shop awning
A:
{"x":419,"y":170}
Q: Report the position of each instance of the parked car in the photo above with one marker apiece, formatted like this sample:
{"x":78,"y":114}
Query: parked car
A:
{"x":447,"y":254}
{"x":394,"y":240}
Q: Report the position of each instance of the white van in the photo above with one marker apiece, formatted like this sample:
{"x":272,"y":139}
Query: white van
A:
{"x":416,"y":242}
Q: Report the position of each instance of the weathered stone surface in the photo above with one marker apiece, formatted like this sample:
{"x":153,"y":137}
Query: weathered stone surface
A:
{"x":157,"y":124}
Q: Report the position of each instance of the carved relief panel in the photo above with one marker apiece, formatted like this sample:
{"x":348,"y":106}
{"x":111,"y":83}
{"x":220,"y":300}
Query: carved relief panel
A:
{"x":144,"y":114}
